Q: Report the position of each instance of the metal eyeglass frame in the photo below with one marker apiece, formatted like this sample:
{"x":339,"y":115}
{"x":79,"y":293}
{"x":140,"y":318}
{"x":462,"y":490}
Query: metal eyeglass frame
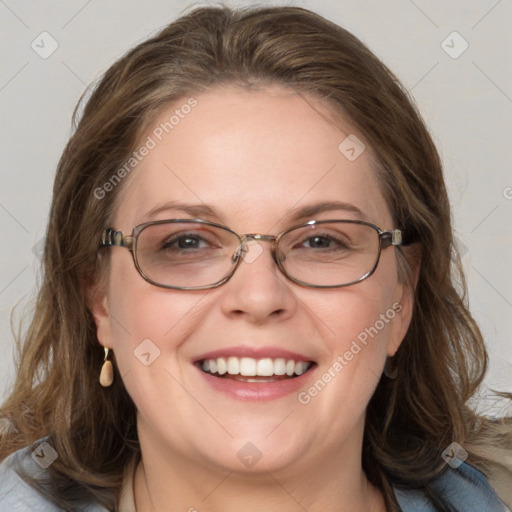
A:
{"x":112,"y":238}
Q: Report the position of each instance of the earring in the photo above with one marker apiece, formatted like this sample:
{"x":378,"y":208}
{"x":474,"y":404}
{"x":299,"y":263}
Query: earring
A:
{"x":107,"y":371}
{"x":390,"y":371}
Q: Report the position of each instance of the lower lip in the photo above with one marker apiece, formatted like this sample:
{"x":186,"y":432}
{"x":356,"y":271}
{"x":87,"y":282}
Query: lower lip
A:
{"x":257,"y":391}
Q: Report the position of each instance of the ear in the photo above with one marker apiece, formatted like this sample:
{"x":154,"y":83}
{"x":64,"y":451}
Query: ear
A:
{"x":98,"y":305}
{"x":404,"y":305}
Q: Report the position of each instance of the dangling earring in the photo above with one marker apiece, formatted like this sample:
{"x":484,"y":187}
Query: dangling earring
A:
{"x":107,"y":371}
{"x":390,"y":371}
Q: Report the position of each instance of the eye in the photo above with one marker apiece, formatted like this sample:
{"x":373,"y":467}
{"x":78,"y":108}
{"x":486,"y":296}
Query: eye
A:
{"x":186,"y":241}
{"x":324,"y":242}
{"x":318,"y":242}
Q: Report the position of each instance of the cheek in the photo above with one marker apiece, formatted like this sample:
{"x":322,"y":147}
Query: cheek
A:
{"x":356,"y":323}
{"x":359,"y":326}
{"x":346,"y":379}
{"x":148,"y":323}
{"x":361,"y":313}
{"x":150,"y":327}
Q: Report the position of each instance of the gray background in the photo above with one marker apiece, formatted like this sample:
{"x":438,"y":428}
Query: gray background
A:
{"x":465,"y":98}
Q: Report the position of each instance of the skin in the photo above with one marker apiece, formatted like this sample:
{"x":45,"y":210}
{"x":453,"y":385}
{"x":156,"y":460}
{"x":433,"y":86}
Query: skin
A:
{"x":254,"y":157}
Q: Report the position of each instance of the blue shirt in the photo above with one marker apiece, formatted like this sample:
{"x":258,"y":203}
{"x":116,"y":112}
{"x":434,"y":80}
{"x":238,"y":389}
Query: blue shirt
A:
{"x":464,"y":488}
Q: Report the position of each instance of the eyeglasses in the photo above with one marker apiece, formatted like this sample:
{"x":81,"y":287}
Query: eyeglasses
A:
{"x":195,"y":254}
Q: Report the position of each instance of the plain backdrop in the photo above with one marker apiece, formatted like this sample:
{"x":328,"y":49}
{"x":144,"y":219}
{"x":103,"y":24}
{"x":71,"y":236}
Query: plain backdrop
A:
{"x":454,"y":57}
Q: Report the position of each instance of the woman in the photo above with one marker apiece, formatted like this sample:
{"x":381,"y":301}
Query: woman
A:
{"x":283,"y":332}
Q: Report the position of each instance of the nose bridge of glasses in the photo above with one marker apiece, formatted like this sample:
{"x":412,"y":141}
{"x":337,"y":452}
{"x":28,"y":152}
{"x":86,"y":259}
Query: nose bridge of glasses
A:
{"x":259,"y":238}
{"x":249,"y":237}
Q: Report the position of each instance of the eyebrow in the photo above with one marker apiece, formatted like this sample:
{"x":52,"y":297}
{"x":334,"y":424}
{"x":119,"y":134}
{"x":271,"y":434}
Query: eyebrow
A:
{"x":305,"y":213}
{"x":309,"y":211}
{"x":194,"y":210}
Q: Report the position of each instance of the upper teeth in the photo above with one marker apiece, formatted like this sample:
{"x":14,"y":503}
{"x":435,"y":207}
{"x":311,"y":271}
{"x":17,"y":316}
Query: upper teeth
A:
{"x":250,"y":367}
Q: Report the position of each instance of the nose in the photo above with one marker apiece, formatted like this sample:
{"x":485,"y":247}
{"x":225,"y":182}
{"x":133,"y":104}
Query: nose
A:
{"x":258,"y":291}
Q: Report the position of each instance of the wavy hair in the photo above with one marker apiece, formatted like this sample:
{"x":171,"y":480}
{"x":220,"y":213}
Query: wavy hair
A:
{"x":440,"y":365}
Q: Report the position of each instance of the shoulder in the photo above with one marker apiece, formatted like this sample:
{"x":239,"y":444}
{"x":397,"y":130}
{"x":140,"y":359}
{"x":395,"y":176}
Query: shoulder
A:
{"x":16,"y":495}
{"x":464,"y":488}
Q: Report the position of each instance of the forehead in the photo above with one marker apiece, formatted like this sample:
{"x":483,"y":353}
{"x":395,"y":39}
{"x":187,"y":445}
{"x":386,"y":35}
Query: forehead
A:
{"x":253,"y":157}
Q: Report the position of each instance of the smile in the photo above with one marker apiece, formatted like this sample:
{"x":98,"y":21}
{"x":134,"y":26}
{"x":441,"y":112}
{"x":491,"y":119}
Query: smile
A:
{"x":248,"y":369}
{"x":255,"y":374}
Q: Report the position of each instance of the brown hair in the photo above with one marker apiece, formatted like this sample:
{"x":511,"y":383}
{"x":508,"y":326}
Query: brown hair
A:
{"x":410,"y":419}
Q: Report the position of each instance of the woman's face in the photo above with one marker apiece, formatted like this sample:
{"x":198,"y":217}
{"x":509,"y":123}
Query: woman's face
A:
{"x":253,"y":160}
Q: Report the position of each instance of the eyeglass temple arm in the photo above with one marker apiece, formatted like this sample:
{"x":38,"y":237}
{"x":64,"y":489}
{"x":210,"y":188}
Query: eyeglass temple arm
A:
{"x":112,"y":238}
{"x":393,"y":237}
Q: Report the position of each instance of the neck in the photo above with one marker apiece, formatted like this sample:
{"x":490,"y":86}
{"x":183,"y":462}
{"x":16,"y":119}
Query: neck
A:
{"x":329,"y":484}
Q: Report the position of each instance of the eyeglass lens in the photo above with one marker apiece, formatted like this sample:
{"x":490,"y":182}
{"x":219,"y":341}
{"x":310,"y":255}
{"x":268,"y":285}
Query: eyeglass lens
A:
{"x":191,"y":254}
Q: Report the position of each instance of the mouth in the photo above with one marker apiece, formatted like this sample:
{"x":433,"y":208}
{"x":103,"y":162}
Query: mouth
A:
{"x":255,"y":374}
{"x":252,"y":370}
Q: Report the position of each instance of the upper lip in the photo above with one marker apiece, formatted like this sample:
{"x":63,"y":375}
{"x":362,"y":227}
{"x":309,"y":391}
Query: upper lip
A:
{"x":253,"y":352}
